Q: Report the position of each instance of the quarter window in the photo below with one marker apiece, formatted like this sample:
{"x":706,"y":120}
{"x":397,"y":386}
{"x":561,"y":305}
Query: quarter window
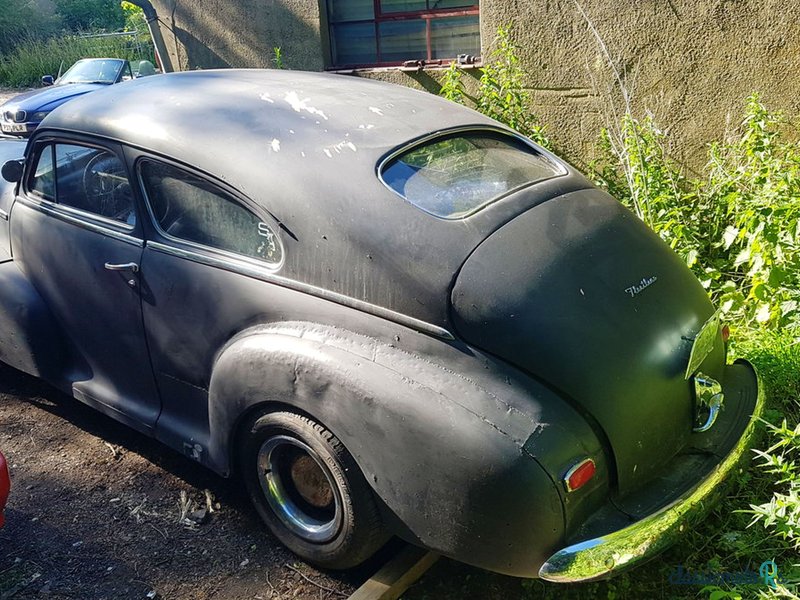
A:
{"x":43,"y":182}
{"x":192,"y":209}
{"x":88,"y":179}
{"x":390,"y":32}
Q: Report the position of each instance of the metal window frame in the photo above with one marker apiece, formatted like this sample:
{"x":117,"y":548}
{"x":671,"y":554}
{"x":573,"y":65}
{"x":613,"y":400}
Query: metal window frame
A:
{"x":379,"y":17}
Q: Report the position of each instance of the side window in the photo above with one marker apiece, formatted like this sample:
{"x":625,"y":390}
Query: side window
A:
{"x":192,"y":209}
{"x":43,"y":182}
{"x":95,"y":181}
{"x":89,"y":179}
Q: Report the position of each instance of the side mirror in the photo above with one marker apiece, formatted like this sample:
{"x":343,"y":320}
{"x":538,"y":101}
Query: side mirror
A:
{"x":47,"y":80}
{"x":12,"y":170}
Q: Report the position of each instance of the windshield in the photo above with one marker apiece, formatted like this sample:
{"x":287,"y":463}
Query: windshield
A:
{"x":93,"y":70}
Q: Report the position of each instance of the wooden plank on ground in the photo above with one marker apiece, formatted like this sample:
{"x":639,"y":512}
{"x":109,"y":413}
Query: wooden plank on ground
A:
{"x":397,"y":575}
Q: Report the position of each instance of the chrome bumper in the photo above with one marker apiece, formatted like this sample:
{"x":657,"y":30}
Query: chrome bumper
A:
{"x":622,"y":549}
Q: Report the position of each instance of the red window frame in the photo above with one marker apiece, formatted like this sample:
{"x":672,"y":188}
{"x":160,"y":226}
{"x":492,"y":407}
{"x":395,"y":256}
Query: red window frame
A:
{"x":427,"y":15}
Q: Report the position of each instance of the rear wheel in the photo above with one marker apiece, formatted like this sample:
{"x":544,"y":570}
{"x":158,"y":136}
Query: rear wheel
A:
{"x":309,"y":491}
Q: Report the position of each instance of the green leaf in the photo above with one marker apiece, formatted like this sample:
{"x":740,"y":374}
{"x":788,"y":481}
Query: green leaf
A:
{"x":729,"y":236}
{"x":763,"y":313}
{"x":742,"y":257}
{"x":691,"y":257}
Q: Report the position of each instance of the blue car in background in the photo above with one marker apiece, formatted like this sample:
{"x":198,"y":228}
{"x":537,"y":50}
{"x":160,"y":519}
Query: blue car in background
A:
{"x":22,"y":114}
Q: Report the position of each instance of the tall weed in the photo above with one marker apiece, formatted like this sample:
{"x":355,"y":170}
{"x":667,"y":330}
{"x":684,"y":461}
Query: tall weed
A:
{"x":501,"y":91}
{"x":452,"y":84}
{"x":737,"y":225}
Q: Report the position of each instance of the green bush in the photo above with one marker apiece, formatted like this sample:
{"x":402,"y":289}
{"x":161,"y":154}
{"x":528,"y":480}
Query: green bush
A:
{"x":737,"y":226}
{"x":90,"y":15}
{"x":134,"y":18}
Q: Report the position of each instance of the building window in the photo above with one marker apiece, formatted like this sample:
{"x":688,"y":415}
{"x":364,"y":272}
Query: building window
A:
{"x":368,"y":33}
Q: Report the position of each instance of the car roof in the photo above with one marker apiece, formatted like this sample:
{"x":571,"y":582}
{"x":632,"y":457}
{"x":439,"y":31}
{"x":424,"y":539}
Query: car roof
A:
{"x":306,"y":147}
{"x":307,"y":113}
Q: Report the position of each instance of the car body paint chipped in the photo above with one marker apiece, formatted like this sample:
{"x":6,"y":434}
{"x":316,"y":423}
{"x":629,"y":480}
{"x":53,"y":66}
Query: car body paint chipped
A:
{"x":299,"y":105}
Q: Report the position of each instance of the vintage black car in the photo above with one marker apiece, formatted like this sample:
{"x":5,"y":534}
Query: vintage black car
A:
{"x":390,"y":314}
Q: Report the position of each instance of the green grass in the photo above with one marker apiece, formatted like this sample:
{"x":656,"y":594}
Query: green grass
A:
{"x":30,"y":59}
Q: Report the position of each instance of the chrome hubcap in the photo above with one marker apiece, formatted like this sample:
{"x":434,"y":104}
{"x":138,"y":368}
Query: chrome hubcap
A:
{"x":300,"y":489}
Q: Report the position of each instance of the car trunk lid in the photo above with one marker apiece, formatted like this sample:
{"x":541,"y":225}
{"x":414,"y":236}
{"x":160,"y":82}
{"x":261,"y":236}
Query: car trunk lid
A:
{"x":581,"y":294}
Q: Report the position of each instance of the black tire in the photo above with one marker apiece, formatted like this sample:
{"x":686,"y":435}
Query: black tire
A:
{"x":309,"y":490}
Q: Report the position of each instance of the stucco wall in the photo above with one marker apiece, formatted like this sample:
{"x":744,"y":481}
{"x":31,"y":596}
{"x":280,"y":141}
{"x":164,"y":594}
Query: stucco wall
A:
{"x":691,"y":62}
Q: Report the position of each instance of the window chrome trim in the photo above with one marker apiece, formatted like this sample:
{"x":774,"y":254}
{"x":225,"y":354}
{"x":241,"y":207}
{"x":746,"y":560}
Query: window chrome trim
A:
{"x":58,"y":211}
{"x":262,"y":273}
{"x":442,"y":133}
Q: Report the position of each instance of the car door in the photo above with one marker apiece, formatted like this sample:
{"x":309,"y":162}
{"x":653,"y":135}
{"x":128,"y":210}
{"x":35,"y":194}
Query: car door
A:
{"x":76,"y":234}
{"x":205,"y":240}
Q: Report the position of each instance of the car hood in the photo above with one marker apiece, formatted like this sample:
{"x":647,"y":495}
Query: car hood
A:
{"x":50,"y":97}
{"x":579,"y":293}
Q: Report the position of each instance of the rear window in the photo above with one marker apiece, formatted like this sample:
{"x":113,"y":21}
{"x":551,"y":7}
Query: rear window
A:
{"x":456,"y":175}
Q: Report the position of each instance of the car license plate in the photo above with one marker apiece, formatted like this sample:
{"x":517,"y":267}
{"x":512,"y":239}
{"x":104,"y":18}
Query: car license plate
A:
{"x":703,"y":344}
{"x":13,"y":127}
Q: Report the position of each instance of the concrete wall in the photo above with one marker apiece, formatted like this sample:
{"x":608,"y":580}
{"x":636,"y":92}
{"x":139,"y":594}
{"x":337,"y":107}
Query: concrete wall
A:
{"x":691,"y":62}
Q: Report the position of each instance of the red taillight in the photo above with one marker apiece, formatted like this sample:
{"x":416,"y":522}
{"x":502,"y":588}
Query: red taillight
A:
{"x":726,"y":333}
{"x":579,"y":475}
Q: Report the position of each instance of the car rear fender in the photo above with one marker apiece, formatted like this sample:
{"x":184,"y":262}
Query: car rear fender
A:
{"x":445,"y":455}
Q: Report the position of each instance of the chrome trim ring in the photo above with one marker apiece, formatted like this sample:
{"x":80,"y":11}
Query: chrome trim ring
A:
{"x":279,"y":494}
{"x":63,"y":213}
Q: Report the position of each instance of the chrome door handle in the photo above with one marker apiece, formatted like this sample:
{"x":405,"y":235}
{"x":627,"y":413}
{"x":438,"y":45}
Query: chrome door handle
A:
{"x":133,"y":267}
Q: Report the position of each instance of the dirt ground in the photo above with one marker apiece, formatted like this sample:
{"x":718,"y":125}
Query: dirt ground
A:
{"x":95,"y":507}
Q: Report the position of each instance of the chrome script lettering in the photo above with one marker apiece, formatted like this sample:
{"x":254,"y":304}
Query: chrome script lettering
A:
{"x":638,"y":288}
